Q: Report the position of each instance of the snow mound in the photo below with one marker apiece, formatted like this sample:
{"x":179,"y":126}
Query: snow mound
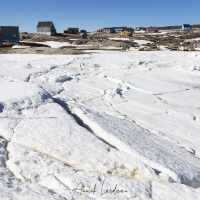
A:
{"x":20,"y":95}
{"x":54,"y":44}
{"x":142,"y":41}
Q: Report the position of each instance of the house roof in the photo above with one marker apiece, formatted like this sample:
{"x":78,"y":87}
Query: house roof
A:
{"x":107,"y":28}
{"x":9,"y":29}
{"x":45,"y":24}
{"x":121,"y":27}
{"x":127,"y":29}
{"x":72,"y":28}
{"x":152,"y":27}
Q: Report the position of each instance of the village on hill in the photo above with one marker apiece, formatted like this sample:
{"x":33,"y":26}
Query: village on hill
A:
{"x":72,"y":40}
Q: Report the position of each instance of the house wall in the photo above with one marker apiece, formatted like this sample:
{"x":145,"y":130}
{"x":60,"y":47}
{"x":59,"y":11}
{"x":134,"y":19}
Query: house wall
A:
{"x":152,"y":30}
{"x":106,"y":30}
{"x":11,"y":37}
{"x":124,"y":33}
{"x":72,"y":31}
{"x":8,"y":33}
{"x":46,"y":30}
{"x":186,"y":27}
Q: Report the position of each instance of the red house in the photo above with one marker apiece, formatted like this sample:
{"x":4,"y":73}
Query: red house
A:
{"x":152,"y":30}
{"x":72,"y":31}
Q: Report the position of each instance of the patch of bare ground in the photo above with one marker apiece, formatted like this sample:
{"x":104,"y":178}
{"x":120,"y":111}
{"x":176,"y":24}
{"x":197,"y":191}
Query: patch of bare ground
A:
{"x":41,"y":50}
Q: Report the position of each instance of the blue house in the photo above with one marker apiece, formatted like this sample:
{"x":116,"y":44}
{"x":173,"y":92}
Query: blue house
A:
{"x":10,"y":33}
{"x":186,"y":27}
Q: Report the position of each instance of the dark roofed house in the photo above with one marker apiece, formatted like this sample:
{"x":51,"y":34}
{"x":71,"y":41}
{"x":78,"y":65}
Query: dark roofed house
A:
{"x":72,"y":31}
{"x":186,"y":27}
{"x":10,"y":33}
{"x":46,"y":28}
{"x":109,"y":30}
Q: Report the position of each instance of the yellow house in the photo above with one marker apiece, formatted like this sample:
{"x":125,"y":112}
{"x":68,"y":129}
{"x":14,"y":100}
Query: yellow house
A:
{"x":126,"y":33}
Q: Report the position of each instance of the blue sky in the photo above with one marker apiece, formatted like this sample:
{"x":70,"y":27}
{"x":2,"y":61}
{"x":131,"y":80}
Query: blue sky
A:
{"x":94,"y":14}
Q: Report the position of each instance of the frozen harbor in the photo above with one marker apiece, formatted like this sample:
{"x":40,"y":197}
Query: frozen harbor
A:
{"x":102,"y":125}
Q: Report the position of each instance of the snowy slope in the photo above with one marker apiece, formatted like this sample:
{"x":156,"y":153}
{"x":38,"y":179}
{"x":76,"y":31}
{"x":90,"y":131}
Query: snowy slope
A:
{"x":125,"y":124}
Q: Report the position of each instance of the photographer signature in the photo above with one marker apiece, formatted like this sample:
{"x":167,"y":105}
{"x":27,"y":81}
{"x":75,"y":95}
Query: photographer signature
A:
{"x":102,"y":190}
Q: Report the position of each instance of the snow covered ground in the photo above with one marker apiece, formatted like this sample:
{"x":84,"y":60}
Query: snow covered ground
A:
{"x":52,"y":44}
{"x":104,"y":125}
{"x":123,"y":39}
{"x":142,"y":41}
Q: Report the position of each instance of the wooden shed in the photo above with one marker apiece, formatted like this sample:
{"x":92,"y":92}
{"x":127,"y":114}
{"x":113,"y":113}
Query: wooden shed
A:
{"x":46,"y":28}
{"x":10,"y":33}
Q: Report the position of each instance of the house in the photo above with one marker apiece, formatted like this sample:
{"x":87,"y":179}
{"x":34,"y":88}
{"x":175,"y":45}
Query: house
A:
{"x":140,"y":28}
{"x":112,"y":30}
{"x":106,"y":30}
{"x":120,"y":28}
{"x":109,"y":30}
{"x":10,"y":33}
{"x":46,"y":28}
{"x":127,"y":32}
{"x":72,"y":31}
{"x":186,"y":27}
{"x":152,"y":30}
